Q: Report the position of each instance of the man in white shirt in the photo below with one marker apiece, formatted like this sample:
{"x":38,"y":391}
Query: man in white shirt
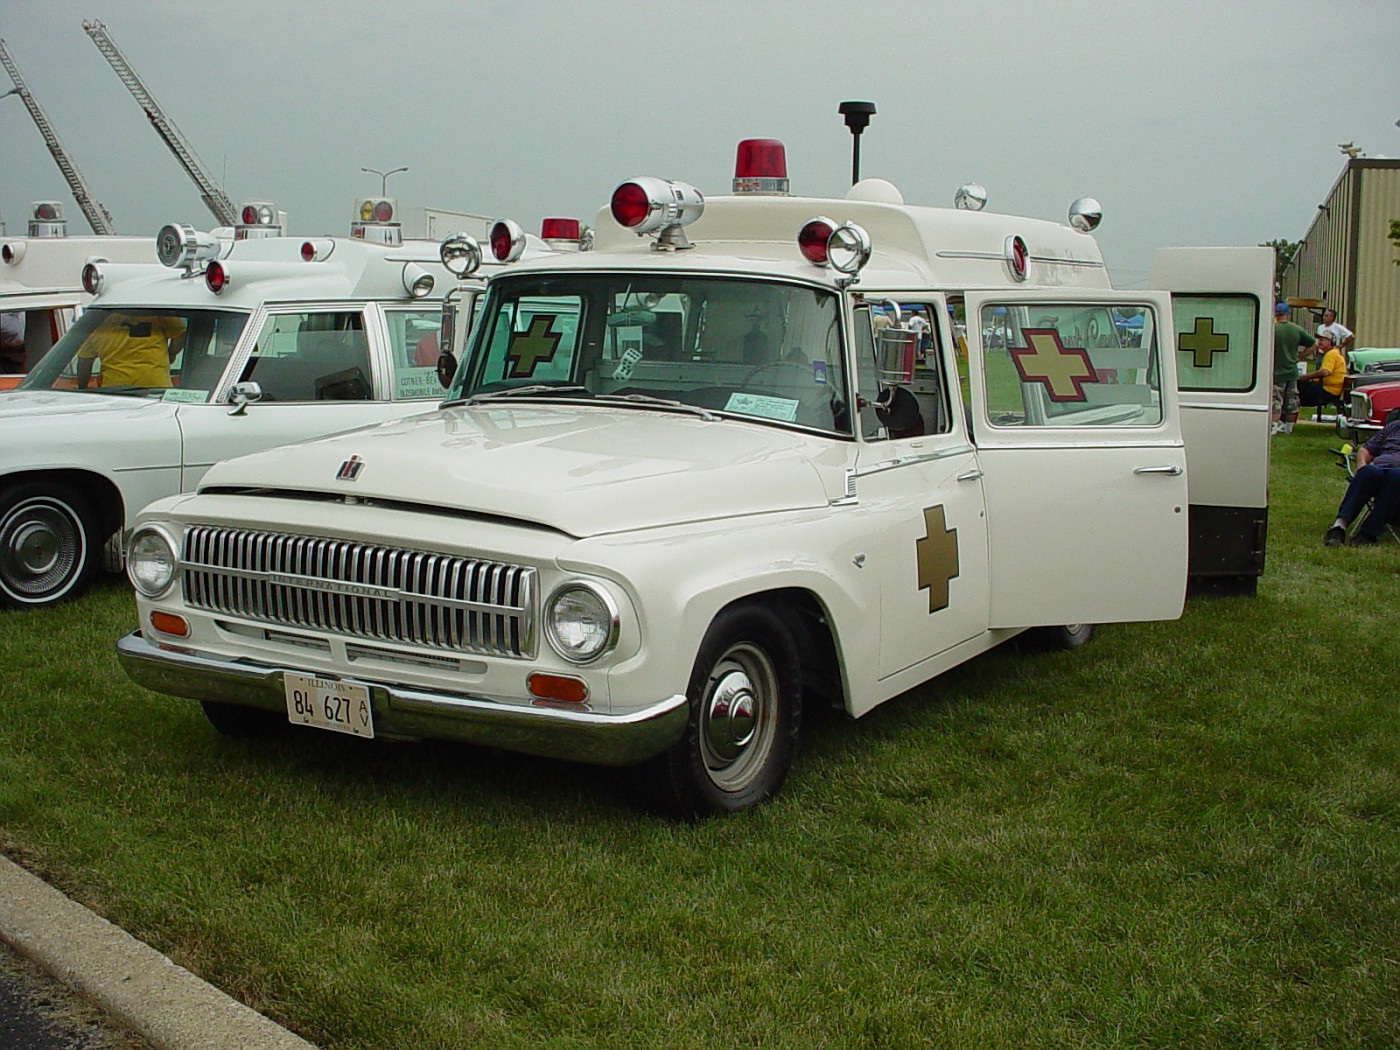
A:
{"x":1340,"y":333}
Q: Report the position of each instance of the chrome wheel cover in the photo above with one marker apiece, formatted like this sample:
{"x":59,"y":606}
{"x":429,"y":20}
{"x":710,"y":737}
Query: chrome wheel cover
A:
{"x":42,"y":548}
{"x":738,"y":717}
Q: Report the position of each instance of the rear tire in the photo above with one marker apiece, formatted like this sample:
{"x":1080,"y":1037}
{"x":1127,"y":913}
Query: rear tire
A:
{"x":244,"y":722}
{"x":745,"y":711}
{"x":49,"y":546}
{"x":1070,"y":636}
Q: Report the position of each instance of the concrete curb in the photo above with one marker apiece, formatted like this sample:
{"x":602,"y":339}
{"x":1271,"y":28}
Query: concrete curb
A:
{"x":165,"y":1004}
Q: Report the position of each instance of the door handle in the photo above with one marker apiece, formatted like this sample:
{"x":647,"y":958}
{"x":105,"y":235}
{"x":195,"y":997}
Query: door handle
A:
{"x":1173,"y":471}
{"x":971,"y":475}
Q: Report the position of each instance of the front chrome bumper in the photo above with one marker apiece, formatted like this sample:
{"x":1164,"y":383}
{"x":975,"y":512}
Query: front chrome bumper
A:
{"x":552,"y":732}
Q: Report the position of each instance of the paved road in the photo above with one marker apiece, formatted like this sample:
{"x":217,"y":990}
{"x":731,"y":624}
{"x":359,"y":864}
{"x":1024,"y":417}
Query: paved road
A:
{"x":39,"y":1013}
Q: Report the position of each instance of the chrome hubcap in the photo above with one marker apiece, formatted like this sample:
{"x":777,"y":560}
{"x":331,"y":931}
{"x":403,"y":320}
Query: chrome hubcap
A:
{"x":41,"y":543}
{"x":739,"y":717}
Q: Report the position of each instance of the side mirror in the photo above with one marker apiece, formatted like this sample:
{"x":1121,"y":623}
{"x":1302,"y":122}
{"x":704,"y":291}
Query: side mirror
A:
{"x":446,"y":368}
{"x":242,"y":395}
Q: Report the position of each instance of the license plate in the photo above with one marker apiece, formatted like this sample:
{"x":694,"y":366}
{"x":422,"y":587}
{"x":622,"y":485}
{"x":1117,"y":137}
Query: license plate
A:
{"x":342,"y":707}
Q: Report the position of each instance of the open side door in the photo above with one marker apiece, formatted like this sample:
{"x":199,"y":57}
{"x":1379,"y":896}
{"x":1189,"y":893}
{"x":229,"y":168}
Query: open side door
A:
{"x":1075,"y":421}
{"x":1222,"y":302}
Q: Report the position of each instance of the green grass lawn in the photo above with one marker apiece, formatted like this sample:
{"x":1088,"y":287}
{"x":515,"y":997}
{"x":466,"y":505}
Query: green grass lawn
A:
{"x":1182,"y":835}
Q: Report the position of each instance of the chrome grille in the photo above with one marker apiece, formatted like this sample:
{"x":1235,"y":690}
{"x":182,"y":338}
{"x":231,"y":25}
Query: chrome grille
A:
{"x":362,"y":590}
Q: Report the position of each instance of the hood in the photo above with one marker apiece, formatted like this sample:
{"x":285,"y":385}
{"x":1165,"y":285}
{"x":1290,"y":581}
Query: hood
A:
{"x":26,"y":404}
{"x":582,"y":471}
{"x":105,"y":432}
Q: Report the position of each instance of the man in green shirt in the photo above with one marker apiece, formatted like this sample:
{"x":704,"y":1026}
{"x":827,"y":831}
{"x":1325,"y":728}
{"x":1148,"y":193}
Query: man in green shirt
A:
{"x":1289,"y":341}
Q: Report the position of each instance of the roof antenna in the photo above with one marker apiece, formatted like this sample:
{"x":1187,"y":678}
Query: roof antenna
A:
{"x":857,"y":116}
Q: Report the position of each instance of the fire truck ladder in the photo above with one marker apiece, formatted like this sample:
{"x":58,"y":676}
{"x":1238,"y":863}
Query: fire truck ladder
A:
{"x":97,"y":216}
{"x":215,"y":199}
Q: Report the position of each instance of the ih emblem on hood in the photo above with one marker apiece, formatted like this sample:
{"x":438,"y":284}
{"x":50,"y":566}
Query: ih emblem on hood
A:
{"x":350,"y":469}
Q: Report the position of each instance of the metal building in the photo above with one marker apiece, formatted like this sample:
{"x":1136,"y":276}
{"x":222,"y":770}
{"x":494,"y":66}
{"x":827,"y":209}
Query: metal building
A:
{"x":1347,"y":260}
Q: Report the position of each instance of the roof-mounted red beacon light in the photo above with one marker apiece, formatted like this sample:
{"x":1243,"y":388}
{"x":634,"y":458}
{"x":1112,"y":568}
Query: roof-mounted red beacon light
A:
{"x":216,"y":277}
{"x":760,"y":166}
{"x":649,"y":205}
{"x":812,"y":239}
{"x":507,"y":240}
{"x":560,"y":229}
{"x":318,"y":250}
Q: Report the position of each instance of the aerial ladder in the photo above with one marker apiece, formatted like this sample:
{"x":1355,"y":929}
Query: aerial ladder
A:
{"x":97,"y":216}
{"x":213,"y":195}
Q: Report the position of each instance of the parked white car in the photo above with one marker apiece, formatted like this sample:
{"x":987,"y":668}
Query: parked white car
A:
{"x":232,"y":347}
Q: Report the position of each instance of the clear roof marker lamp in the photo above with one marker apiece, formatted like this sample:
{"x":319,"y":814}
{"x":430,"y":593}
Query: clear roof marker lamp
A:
{"x":181,"y":245}
{"x":1085,"y":214}
{"x":460,"y":254}
{"x":417,"y":282}
{"x":649,"y":205}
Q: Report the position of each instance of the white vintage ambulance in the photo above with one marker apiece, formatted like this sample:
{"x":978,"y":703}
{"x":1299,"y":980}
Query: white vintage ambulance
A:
{"x":41,"y":286}
{"x":714,"y":472}
{"x":233,"y":345}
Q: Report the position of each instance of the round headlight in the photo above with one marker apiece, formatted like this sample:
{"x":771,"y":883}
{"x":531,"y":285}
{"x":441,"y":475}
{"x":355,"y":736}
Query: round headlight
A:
{"x":580,"y":622}
{"x":151,"y":561}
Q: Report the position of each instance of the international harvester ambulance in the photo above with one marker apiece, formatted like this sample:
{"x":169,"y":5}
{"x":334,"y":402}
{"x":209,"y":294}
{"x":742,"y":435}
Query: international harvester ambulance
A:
{"x":232,"y":346}
{"x":715,"y":471}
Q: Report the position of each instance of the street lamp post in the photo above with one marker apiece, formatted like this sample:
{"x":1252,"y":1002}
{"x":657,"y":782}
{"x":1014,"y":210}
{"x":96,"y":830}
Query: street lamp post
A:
{"x":384,"y":178}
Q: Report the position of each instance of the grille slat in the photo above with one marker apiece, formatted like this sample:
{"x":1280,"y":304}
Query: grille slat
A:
{"x":390,"y":594}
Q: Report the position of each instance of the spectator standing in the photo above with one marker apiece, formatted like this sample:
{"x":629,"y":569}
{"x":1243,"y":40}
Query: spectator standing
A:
{"x":1289,"y":342}
{"x":1342,"y":337}
{"x":12,"y":342}
{"x":1377,"y":477}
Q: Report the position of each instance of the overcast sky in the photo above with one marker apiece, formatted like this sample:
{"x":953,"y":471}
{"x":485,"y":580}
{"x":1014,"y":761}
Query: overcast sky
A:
{"x":1192,"y":123}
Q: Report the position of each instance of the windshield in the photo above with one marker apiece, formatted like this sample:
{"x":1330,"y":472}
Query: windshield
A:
{"x":761,"y":350}
{"x":159,"y":352}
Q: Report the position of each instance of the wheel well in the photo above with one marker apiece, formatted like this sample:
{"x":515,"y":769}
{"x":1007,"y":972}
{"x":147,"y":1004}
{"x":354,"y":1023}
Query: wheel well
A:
{"x":806,"y":618}
{"x":105,"y":497}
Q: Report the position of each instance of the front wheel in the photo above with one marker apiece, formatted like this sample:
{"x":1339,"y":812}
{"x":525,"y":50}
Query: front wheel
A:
{"x":49,"y":547}
{"x":1070,"y":636}
{"x":745,"y":709}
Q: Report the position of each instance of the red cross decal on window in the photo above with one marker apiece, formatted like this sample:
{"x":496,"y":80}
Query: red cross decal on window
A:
{"x":1062,"y":370}
{"x":529,"y":348}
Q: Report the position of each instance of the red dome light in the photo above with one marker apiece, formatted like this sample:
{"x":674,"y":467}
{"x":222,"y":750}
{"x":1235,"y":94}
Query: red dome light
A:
{"x":383,"y":211}
{"x":760,"y":166}
{"x":250,"y":216}
{"x":1017,"y":257}
{"x":216,"y":277}
{"x":46,"y":212}
{"x":500,"y":241}
{"x":630,"y":204}
{"x":812,"y":240}
{"x":308,"y":251}
{"x":8,"y":254}
{"x":560,"y":229}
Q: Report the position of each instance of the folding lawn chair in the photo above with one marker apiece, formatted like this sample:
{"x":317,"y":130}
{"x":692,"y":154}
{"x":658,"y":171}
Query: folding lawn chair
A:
{"x":1346,"y":459}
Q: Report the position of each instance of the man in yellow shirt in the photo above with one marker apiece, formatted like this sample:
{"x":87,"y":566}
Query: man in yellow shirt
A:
{"x":135,"y":350}
{"x":1332,"y":371}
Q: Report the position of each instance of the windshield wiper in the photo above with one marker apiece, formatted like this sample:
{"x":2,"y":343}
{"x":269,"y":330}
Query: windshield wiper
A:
{"x":533,"y":390}
{"x":660,"y":402}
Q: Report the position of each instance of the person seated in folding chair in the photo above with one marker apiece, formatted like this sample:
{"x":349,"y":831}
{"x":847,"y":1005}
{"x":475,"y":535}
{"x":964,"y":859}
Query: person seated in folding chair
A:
{"x":1330,"y":375}
{"x":1377,"y":481}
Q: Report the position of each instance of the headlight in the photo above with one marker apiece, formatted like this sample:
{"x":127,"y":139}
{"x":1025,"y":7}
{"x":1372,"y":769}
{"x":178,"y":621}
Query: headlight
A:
{"x":151,"y":561}
{"x":580,"y":622}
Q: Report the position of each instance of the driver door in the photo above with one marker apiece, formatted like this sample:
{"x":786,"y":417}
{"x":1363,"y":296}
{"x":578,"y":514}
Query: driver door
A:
{"x":1079,"y":442}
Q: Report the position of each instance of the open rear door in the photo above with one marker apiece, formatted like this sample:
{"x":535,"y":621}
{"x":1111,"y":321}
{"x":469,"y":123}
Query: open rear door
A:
{"x":1222,"y":303}
{"x":1075,"y":423}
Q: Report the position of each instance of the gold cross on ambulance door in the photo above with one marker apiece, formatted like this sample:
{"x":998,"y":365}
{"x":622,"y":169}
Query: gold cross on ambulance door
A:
{"x":937,"y":558}
{"x":1045,"y":359}
{"x":529,"y":348}
{"x":1203,"y":343}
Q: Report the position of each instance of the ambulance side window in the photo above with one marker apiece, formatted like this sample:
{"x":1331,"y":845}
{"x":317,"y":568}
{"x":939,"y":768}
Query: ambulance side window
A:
{"x":1071,"y":364}
{"x":916,"y":409}
{"x":413,"y":347}
{"x":312,"y":356}
{"x":1216,"y":340}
